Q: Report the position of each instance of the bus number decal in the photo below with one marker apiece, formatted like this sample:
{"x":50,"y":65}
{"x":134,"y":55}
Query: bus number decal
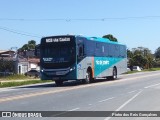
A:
{"x":102,"y":62}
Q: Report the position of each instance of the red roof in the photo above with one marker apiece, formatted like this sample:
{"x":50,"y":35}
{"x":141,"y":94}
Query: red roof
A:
{"x":34,"y":60}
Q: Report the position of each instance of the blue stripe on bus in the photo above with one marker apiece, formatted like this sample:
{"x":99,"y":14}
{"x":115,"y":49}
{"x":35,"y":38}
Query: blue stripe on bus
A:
{"x":105,"y":40}
{"x":104,"y":63}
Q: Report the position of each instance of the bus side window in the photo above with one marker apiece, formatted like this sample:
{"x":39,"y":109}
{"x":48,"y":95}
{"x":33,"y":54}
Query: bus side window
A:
{"x":116,"y":53}
{"x":80,"y":50}
{"x":111,"y":51}
{"x":123,"y":51}
{"x":106,"y":50}
{"x":89,"y":48}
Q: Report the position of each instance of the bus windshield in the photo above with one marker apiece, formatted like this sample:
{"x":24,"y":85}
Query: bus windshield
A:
{"x":57,"y":55}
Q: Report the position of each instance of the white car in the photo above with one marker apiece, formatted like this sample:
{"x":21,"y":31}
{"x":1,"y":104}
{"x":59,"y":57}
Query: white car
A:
{"x":137,"y":68}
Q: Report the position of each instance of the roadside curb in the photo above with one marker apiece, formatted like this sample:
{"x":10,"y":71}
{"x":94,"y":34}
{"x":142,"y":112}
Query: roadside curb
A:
{"x":7,"y":81}
{"x":30,"y":85}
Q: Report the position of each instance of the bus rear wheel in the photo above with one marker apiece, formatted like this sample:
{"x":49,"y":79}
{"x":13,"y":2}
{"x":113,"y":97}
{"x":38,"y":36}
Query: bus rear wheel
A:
{"x":114,"y":77}
{"x":114,"y":74}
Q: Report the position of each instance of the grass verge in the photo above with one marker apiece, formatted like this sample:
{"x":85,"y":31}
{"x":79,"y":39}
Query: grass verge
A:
{"x":17,"y":77}
{"x":19,"y":83}
{"x":152,"y":69}
{"x":145,"y":70}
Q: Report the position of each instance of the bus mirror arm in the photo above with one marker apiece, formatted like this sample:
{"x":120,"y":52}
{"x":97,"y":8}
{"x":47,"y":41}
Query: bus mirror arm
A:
{"x":37,"y":48}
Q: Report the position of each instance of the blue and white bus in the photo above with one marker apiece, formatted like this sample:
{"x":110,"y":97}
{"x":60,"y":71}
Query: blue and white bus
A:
{"x":71,"y":57}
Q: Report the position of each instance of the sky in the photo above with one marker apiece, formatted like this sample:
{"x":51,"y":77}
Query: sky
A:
{"x":135,"y":23}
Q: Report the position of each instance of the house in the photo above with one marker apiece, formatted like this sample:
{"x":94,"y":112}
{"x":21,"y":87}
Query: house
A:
{"x":18,"y":64}
{"x":7,"y":53}
{"x":21,"y":65}
{"x":33,"y":63}
{"x":11,"y":62}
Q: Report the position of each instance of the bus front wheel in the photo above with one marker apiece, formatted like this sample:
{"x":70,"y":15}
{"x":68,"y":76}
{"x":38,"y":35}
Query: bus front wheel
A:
{"x":59,"y":83}
{"x":89,"y":78}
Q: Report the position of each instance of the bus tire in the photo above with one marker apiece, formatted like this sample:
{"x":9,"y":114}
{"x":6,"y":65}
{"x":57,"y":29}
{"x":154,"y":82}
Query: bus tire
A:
{"x":59,"y":83}
{"x":89,"y":78}
{"x":114,"y":76}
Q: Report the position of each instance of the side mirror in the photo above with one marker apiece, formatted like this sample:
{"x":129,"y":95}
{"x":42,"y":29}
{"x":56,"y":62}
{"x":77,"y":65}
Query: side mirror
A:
{"x":37,"y":50}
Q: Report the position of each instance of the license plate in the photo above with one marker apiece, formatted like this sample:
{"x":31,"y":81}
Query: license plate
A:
{"x":56,"y":78}
{"x":60,"y":73}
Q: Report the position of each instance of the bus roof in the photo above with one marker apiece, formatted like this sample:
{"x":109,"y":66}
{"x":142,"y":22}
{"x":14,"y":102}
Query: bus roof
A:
{"x":103,"y":40}
{"x":98,"y":39}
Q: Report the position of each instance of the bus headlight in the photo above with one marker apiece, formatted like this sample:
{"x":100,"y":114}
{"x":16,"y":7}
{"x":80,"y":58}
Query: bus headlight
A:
{"x":71,"y":69}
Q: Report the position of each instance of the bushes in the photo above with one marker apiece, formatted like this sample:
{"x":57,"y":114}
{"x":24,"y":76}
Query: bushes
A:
{"x":7,"y":65}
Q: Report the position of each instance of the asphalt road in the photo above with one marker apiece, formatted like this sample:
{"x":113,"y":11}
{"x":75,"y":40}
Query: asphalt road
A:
{"x":134,"y":92}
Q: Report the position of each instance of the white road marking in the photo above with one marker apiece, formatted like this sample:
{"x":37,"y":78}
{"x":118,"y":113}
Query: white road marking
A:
{"x":128,"y":101}
{"x":132,"y":91}
{"x":106,"y":99}
{"x":135,"y":91}
{"x":123,"y":105}
{"x":74,"y":109}
{"x":152,"y":85}
{"x":65,"y":112}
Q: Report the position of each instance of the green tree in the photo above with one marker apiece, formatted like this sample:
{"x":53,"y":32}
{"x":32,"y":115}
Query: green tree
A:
{"x":25,"y":47}
{"x":130,"y":59}
{"x":110,"y":37}
{"x":33,"y":42}
{"x":129,"y":53}
{"x":157,"y":53}
{"x":31,"y":45}
{"x":140,"y":56}
{"x":157,"y":57}
{"x":6,"y":65}
{"x":139,"y":60}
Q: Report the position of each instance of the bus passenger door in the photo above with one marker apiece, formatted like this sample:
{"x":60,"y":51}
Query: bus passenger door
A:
{"x":80,"y":61}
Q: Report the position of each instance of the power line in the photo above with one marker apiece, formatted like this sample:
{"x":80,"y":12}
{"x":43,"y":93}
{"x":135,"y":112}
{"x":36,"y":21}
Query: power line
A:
{"x":81,"y":19}
{"x":17,"y":32}
{"x":66,"y":20}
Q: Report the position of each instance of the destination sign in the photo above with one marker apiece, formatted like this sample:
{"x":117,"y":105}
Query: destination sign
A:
{"x":64,"y":39}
